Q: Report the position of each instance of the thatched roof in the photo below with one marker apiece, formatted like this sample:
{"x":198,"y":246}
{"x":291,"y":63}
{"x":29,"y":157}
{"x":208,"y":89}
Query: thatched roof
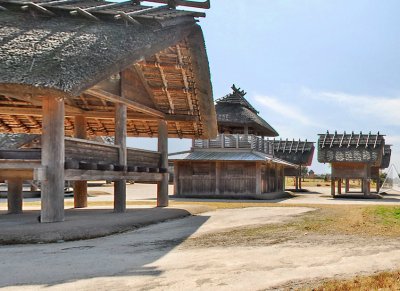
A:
{"x":16,"y":141}
{"x":234,"y":112}
{"x":64,"y":56}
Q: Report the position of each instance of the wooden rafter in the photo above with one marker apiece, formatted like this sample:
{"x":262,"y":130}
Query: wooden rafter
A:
{"x":20,"y":124}
{"x":129,"y":103}
{"x":5,"y":126}
{"x":165,"y":84}
{"x":366,"y":143}
{"x":185,"y":79}
{"x":35,"y":123}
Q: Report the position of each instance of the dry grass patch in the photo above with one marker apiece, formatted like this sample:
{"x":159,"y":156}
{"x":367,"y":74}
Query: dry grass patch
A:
{"x":362,"y":221}
{"x":380,"y":281}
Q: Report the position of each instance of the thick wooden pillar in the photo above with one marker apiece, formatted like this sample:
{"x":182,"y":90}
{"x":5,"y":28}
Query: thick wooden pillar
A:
{"x":347,"y":187}
{"x":53,"y":154}
{"x":339,"y":186}
{"x":218,"y":177}
{"x":162,"y":186}
{"x":333,"y":187}
{"x":296,"y":182}
{"x":258,"y":178}
{"x":14,"y":196}
{"x":120,"y":139}
{"x":80,"y":187}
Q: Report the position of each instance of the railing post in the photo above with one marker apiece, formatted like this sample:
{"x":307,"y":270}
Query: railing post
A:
{"x":222,"y":138}
{"x":237,"y":141}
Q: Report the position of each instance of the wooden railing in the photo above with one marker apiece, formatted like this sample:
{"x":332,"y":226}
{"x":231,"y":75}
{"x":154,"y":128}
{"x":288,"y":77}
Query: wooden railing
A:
{"x":238,"y":141}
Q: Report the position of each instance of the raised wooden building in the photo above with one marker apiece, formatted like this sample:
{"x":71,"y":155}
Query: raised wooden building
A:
{"x":73,"y":69}
{"x":238,"y":163}
{"x":353,"y":156}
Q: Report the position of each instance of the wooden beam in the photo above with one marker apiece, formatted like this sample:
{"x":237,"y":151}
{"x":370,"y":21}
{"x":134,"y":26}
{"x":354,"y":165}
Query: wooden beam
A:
{"x":142,"y":78}
{"x":162,"y":186}
{"x":96,"y":175}
{"x":53,"y":151}
{"x":9,"y":110}
{"x":121,"y":100}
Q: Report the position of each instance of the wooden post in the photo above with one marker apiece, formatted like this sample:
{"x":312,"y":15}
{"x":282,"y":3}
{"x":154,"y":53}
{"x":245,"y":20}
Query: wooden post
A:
{"x":120,"y":139}
{"x":80,"y":187}
{"x":367,"y":180}
{"x":276,"y":178}
{"x":14,"y":196}
{"x":333,"y":187}
{"x":296,"y":182}
{"x":53,"y":154}
{"x":283,"y":179}
{"x":162,"y":186}
{"x":347,"y":187}
{"x":258,"y":178}
{"x":362,"y":186}
{"x":218,"y":177}
{"x":339,"y":186}
{"x":300,"y":175}
{"x":378,"y":184}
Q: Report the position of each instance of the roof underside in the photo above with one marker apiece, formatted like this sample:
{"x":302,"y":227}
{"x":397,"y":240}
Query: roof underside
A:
{"x":163,"y":65}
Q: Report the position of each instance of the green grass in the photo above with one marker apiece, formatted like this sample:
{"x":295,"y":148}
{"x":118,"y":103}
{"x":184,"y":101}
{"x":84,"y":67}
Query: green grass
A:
{"x":387,"y":215}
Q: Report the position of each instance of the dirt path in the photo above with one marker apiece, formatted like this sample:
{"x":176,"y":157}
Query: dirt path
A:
{"x":172,"y":256}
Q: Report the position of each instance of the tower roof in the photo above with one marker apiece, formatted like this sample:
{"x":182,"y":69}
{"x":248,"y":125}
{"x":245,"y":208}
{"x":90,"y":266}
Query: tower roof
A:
{"x":234,"y":112}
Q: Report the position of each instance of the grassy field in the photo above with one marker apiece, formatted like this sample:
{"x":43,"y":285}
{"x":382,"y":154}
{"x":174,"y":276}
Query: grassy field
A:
{"x":380,"y":281}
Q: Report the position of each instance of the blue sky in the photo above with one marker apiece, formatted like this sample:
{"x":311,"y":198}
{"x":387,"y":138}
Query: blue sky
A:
{"x":308,"y":65}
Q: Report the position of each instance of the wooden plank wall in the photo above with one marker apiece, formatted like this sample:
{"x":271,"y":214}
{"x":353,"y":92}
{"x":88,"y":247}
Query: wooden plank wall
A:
{"x":81,"y":150}
{"x":237,"y":178}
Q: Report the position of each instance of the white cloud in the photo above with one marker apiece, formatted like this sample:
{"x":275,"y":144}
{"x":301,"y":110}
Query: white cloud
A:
{"x":285,"y":110}
{"x":383,"y":110}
